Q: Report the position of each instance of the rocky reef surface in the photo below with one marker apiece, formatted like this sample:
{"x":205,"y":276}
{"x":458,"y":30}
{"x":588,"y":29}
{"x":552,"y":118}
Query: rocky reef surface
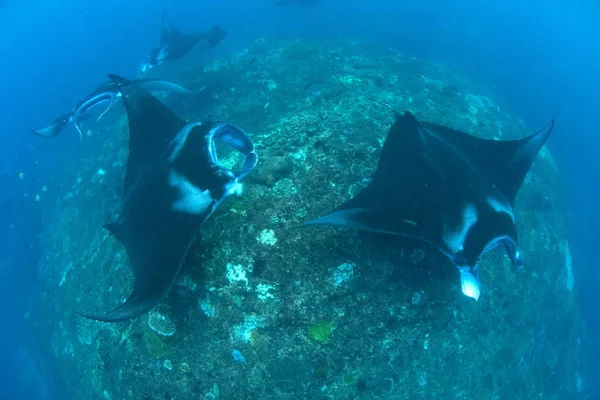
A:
{"x":265,"y":309}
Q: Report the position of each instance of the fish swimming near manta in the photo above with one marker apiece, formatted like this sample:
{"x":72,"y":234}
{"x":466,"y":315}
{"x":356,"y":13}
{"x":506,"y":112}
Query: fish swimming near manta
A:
{"x":174,"y":44}
{"x":104,"y":96}
{"x":173,"y":183}
{"x":447,"y":188}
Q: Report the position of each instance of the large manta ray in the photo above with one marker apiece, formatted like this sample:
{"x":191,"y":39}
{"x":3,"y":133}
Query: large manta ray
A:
{"x":447,"y":188}
{"x":104,"y":95}
{"x":173,"y":183}
{"x":174,"y":44}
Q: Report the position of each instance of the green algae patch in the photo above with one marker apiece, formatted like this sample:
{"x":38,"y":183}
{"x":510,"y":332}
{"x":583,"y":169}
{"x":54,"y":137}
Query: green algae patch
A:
{"x":256,"y":339}
{"x":348,"y":379}
{"x":157,"y":347}
{"x":321,"y":332}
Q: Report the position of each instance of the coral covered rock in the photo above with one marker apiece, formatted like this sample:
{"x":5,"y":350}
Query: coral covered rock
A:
{"x":274,"y":291}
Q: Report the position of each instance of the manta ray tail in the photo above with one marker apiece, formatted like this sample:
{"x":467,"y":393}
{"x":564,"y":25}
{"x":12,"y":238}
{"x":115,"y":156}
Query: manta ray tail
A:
{"x":54,"y":128}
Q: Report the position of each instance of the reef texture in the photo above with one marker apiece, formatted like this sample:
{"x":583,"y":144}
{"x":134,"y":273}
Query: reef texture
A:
{"x":266,"y":309}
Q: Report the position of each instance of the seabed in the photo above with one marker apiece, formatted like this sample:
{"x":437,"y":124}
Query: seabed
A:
{"x":264,"y":309}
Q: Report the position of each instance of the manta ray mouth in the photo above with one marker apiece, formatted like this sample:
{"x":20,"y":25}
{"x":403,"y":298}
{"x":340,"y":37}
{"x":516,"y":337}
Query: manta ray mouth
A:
{"x":231,"y":149}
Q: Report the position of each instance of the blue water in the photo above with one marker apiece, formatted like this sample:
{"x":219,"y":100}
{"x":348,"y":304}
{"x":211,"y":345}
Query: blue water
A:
{"x":542,"y":57}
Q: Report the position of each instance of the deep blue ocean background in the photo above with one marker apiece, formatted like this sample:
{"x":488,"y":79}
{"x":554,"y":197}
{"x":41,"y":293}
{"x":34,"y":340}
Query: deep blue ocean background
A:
{"x":542,"y":57}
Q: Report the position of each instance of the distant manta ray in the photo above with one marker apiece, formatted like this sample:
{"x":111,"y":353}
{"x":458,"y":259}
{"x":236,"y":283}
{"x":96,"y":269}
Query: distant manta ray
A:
{"x":447,"y":188}
{"x":304,"y":3}
{"x":173,"y":183}
{"x":174,"y":44}
{"x":105,"y":94}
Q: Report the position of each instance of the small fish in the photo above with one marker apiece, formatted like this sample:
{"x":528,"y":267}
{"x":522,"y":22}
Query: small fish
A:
{"x":36,"y":162}
{"x":44,"y":188}
{"x":267,"y":105}
{"x":21,"y":176}
{"x":252,"y":61}
{"x":37,"y":198}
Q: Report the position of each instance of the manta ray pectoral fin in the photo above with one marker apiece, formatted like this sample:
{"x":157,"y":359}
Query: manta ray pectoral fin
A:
{"x":154,"y":273}
{"x":54,"y":128}
{"x":396,"y":200}
{"x":114,"y":228}
{"x":504,"y":162}
{"x":168,"y":32}
{"x":515,"y":255}
{"x":156,"y":260}
{"x":146,"y":114}
{"x":158,"y":85}
{"x":130,"y":309}
{"x":216,"y":36}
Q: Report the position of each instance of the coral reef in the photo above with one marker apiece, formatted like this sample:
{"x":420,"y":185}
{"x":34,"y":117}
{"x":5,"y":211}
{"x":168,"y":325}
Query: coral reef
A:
{"x":264,"y":309}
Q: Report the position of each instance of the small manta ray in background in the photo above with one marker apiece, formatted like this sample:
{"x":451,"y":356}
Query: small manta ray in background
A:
{"x":105,"y":94}
{"x":447,"y":188}
{"x":304,"y":3}
{"x":174,"y":44}
{"x":173,"y":183}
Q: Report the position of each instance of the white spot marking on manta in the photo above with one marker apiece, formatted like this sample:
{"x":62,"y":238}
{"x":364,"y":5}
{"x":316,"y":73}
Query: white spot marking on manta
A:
{"x":180,"y":139}
{"x":501,"y":207}
{"x":162,"y":54}
{"x":455,"y":240}
{"x":408,"y":221}
{"x":469,"y":283}
{"x":192,"y":200}
{"x":234,"y":187}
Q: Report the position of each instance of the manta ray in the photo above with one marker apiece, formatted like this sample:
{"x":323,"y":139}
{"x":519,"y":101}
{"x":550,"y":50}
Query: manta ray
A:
{"x":174,"y":44}
{"x":104,"y":95}
{"x":173,"y":183}
{"x":303,"y":3}
{"x":446,"y":188}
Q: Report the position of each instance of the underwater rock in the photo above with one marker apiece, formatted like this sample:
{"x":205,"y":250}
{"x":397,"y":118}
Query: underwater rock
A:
{"x":160,"y":322}
{"x":384,"y":388}
{"x":396,"y":315}
{"x":272,"y":170}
